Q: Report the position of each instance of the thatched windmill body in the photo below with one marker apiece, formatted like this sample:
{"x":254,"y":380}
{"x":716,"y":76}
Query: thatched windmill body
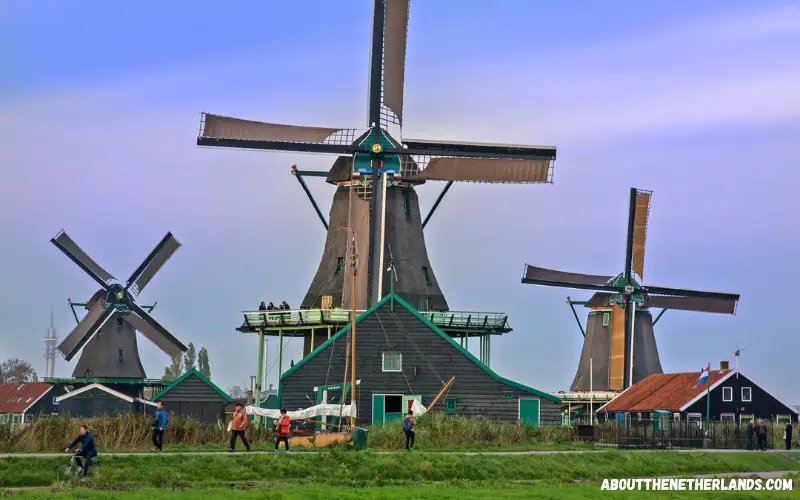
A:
{"x":106,"y":335}
{"x":619,"y":343}
{"x":375,"y":207}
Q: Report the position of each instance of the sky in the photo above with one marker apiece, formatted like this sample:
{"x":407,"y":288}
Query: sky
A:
{"x":697,"y":101}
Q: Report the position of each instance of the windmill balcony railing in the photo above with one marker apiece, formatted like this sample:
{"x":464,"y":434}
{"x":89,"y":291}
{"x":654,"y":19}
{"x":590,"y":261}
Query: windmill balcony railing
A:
{"x":461,"y":320}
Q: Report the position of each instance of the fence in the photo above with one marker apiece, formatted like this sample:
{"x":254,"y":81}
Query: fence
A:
{"x":721,"y":435}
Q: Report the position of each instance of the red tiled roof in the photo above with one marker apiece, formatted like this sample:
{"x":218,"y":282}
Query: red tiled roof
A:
{"x":663,"y":391}
{"x":16,"y":398}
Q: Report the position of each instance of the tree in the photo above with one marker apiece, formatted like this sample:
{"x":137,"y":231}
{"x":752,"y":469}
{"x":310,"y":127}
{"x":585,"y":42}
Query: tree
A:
{"x":174,"y":370}
{"x":14,"y":371}
{"x":189,"y":358}
{"x":202,"y":361}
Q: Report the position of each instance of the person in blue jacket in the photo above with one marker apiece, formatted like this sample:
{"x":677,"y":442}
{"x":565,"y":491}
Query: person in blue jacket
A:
{"x":88,"y":450}
{"x":159,"y":426}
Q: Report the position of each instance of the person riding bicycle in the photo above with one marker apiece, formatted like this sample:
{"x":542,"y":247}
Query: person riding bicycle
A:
{"x":88,"y":450}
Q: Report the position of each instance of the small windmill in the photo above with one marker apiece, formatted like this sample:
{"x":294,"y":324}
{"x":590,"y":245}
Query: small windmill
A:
{"x":383,"y":171}
{"x":619,"y":338}
{"x":736,"y":354}
{"x":109,"y":347}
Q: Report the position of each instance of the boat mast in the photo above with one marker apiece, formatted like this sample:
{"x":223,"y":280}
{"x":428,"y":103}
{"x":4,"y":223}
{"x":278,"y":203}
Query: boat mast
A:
{"x":353,"y":341}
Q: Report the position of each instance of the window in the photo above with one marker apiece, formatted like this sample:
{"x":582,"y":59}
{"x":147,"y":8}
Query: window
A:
{"x":120,"y":355}
{"x":119,"y":323}
{"x":745,"y":417}
{"x":54,"y":400}
{"x":728,"y":417}
{"x":508,"y":395}
{"x":747,"y":394}
{"x":676,"y":417}
{"x":450,"y":405}
{"x":392,"y":362}
{"x":606,"y":319}
{"x":727,"y":394}
{"x":340,"y":265}
{"x":427,"y":277}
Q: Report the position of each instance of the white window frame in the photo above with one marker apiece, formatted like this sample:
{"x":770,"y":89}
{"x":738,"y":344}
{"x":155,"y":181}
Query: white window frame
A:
{"x":750,"y":398}
{"x":383,"y":362}
{"x":731,"y":415}
{"x":729,"y":391}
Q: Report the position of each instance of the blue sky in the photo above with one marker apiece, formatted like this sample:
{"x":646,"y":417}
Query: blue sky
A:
{"x":697,"y":101}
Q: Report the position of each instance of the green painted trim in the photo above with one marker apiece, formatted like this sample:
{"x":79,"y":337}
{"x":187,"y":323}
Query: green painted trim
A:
{"x":438,"y":331}
{"x":335,"y":337}
{"x":186,"y":375}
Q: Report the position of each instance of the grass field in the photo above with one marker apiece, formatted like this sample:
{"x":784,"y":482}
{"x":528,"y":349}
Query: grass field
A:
{"x":444,"y":492}
{"x":345,"y":468}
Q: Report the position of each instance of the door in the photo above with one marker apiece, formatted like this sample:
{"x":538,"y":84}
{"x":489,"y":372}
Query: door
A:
{"x":378,"y":411}
{"x":529,"y":411}
{"x":408,"y":401}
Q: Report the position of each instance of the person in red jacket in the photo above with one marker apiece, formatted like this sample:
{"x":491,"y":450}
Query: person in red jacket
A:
{"x":282,"y":426}
{"x":238,"y":428}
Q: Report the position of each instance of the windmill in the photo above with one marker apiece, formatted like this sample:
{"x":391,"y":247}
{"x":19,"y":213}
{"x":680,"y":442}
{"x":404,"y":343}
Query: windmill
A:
{"x":107,"y":334}
{"x":376,"y":174}
{"x":736,"y":354}
{"x":619,"y":334}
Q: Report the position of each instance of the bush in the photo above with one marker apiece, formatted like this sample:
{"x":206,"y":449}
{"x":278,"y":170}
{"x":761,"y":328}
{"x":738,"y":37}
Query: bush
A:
{"x":437,"y":430}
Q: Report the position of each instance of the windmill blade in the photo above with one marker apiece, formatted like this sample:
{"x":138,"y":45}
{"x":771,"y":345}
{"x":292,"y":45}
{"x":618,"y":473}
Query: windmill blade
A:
{"x":395,"y":35}
{"x":548,"y":277}
{"x":78,"y":256}
{"x":642,"y":214}
{"x":616,"y":365}
{"x":86,"y":329}
{"x":223,"y":131}
{"x":155,"y":261}
{"x":156,"y":333}
{"x":488,"y":170}
{"x":719,"y":305}
{"x":387,"y":60}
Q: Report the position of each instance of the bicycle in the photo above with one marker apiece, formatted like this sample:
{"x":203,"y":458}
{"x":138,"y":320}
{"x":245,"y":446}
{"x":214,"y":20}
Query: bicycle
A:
{"x":74,"y":469}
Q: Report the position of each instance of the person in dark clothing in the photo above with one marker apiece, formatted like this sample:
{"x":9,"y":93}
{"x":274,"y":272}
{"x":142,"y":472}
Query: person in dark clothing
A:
{"x":271,"y":307}
{"x":88,"y":450}
{"x":238,"y":428}
{"x":761,"y":431}
{"x":159,"y":425}
{"x":408,"y":428}
{"x":262,"y":306}
{"x":749,"y":430}
{"x":284,"y":305}
{"x":787,"y":434}
{"x":282,"y":428}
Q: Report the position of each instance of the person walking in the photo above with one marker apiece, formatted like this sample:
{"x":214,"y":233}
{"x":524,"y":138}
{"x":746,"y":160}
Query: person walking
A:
{"x":761,"y":431}
{"x":787,"y":434}
{"x":749,"y":430}
{"x":408,"y":428}
{"x":88,"y":450}
{"x":282,"y":429}
{"x":159,"y":426}
{"x":238,"y":428}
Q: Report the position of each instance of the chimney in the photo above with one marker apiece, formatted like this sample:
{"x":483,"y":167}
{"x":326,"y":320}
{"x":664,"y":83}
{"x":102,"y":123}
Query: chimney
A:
{"x":723,"y":366}
{"x":250,"y":399}
{"x":252,"y":383}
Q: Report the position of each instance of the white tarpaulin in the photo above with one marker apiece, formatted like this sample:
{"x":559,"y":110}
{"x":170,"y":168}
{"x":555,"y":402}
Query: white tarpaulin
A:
{"x":323,"y":410}
{"x":417,"y":408}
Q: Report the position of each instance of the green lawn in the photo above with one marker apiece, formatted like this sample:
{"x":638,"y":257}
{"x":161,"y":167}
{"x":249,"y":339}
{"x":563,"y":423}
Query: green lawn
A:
{"x":439,"y":492}
{"x":345,"y":468}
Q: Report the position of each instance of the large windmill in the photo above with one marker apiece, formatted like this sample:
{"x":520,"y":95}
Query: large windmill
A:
{"x":107,"y":334}
{"x":619,"y":341}
{"x":376,"y":174}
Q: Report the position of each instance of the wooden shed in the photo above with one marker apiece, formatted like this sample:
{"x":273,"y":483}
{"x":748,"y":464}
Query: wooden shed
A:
{"x":193,"y":395}
{"x":95,"y":400}
{"x":402,"y":356}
